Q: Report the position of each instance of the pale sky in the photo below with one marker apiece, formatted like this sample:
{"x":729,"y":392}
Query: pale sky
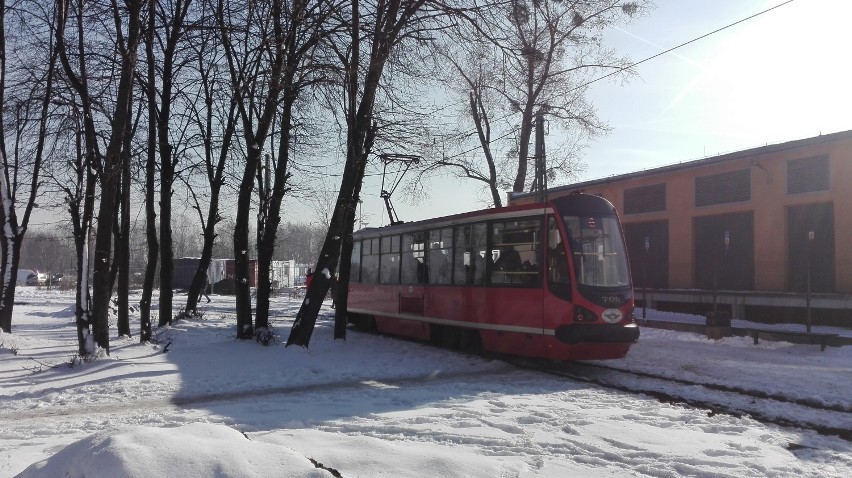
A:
{"x":781,"y":76}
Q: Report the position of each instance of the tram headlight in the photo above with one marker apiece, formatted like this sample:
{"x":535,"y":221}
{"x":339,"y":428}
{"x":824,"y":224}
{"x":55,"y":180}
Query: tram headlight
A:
{"x":582,"y":314}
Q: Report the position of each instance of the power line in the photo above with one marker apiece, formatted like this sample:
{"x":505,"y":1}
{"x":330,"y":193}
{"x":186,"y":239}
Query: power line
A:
{"x":682,"y":45}
{"x":633,"y":65}
{"x":611,"y":74}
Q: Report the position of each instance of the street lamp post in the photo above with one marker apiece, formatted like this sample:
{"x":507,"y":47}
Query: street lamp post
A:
{"x":645,"y":281}
{"x":808,"y":292}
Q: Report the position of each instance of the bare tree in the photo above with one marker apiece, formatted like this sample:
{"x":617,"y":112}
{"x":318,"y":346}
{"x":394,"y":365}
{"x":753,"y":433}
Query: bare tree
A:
{"x":122,"y":235}
{"x":166,"y":23}
{"x":387,"y":23}
{"x":471,"y":64}
{"x":254,"y":48}
{"x":30,"y":109}
{"x":152,"y":241}
{"x":108,"y":164}
{"x":265,"y":45}
{"x":521,"y":58}
{"x":308,"y":24}
{"x":216,"y":122}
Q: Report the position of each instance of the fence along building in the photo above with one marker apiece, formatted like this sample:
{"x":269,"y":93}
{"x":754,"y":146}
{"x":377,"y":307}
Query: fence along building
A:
{"x":754,"y":224}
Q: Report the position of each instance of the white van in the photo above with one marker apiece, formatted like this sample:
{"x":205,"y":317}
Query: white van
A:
{"x":25,"y":276}
{"x":38,"y":278}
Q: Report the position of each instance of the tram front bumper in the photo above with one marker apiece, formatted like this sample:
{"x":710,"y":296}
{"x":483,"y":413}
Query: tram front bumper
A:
{"x":611,"y":333}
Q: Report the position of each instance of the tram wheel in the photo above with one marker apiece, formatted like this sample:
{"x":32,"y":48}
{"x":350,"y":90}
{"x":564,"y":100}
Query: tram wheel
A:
{"x":470,"y":341}
{"x":364,"y":323}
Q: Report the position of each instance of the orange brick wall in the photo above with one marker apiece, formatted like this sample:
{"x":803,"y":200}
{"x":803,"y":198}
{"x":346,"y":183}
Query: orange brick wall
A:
{"x":769,"y":202}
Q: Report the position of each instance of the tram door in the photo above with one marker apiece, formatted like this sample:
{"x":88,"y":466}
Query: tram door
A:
{"x":556,"y":290}
{"x":515,"y":284}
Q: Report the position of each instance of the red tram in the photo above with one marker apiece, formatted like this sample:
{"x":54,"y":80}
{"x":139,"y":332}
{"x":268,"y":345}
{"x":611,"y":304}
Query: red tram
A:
{"x":548,"y":280}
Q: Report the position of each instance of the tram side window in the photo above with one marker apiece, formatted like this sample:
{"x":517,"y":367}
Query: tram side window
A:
{"x":439,"y":262}
{"x":370,"y":261}
{"x":389,"y":273}
{"x":355,"y":271}
{"x":470,"y":251}
{"x":515,"y":252}
{"x":413,"y":269}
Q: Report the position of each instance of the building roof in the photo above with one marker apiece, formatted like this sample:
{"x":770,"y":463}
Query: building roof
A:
{"x":747,"y":153}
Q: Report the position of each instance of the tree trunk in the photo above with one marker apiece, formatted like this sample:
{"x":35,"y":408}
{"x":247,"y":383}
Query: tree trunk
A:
{"x":81,"y":205}
{"x":82,"y":313}
{"x":241,"y":246}
{"x":480,"y":120}
{"x":201,"y":278}
{"x":108,"y":179}
{"x":255,"y":139}
{"x":168,"y":161}
{"x":153,"y":246}
{"x":166,"y":245}
{"x":11,"y":250}
{"x":101,"y":277}
{"x":523,"y":150}
{"x":359,"y":124}
{"x":122,"y":247}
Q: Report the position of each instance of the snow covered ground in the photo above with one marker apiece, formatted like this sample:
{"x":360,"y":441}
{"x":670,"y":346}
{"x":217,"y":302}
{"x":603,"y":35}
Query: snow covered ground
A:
{"x":199,"y":403}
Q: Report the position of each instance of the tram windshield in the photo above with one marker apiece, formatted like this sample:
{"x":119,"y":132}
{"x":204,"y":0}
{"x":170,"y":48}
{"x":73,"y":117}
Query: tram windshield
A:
{"x":598,"y":251}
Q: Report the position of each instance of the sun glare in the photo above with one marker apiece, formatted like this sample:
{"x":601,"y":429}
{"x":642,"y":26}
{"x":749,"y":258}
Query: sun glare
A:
{"x":785,"y":71}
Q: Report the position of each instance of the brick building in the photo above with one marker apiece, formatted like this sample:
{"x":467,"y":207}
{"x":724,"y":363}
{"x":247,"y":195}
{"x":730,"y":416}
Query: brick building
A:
{"x":756,"y":224}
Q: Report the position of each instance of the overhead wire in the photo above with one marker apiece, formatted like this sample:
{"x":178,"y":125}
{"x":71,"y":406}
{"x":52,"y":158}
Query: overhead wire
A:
{"x":683,"y":44}
{"x":620,"y":70}
{"x":632,"y":65}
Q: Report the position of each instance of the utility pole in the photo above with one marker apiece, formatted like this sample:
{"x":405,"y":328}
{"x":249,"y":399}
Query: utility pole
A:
{"x":540,"y":163}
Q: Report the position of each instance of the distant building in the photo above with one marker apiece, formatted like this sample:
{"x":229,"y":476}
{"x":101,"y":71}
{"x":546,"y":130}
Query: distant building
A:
{"x":281,"y":273}
{"x":757,"y":220}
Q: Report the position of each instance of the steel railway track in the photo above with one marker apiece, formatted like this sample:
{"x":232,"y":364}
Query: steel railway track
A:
{"x":825,"y":419}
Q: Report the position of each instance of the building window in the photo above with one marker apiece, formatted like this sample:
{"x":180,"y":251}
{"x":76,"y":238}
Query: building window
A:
{"x":807,"y":175}
{"x":733,"y":186}
{"x":645,"y":199}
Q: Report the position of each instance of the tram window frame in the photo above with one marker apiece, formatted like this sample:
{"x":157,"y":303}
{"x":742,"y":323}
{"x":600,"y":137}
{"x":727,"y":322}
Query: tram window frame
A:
{"x":558,"y":261}
{"x":471,"y":243}
{"x":389,"y":262}
{"x":439,"y":260}
{"x":413,"y":258}
{"x":509,"y":252}
{"x":355,"y":263}
{"x":370,"y":261}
